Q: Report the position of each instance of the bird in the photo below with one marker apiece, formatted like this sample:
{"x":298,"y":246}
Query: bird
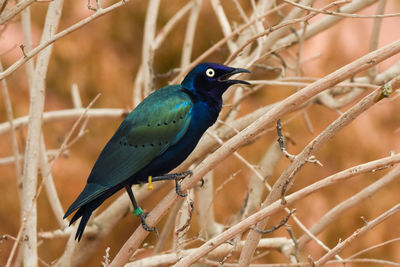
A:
{"x":157,"y":136}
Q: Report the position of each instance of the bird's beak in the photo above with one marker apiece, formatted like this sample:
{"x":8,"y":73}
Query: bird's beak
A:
{"x":225,"y":77}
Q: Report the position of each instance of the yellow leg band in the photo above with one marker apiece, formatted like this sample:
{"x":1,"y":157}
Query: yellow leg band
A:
{"x":150,"y":186}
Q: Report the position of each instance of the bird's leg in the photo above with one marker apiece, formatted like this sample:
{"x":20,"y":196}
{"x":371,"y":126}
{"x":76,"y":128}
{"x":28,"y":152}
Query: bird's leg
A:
{"x":139,"y":212}
{"x":176,"y":177}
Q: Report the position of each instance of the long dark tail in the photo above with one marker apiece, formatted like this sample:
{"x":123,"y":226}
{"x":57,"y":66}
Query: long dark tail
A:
{"x":86,"y":210}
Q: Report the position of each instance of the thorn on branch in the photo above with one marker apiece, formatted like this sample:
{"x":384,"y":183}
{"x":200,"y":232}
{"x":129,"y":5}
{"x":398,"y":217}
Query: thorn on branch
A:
{"x":98,"y":6}
{"x":89,"y":6}
{"x":283,"y":192}
{"x":392,"y":153}
{"x":281,"y":141}
{"x":313,"y":159}
{"x":296,"y":244}
{"x":23,"y":50}
{"x":276,"y":227}
{"x":230,"y":253}
{"x":364,"y":220}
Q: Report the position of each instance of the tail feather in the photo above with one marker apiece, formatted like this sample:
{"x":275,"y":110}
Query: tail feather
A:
{"x":85,"y":211}
{"x":90,"y":193}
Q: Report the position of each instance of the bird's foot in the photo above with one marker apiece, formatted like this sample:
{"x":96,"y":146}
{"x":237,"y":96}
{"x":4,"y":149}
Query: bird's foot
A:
{"x":181,"y":176}
{"x":144,"y":224}
{"x":178,"y":189}
{"x":173,"y":176}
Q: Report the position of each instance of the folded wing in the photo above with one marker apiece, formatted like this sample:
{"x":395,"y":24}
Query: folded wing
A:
{"x":159,"y":122}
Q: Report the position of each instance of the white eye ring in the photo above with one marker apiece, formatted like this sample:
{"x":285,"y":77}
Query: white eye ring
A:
{"x":210,"y":72}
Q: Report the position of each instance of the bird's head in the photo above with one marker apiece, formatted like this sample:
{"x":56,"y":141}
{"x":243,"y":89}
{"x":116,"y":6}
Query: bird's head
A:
{"x":211,"y":79}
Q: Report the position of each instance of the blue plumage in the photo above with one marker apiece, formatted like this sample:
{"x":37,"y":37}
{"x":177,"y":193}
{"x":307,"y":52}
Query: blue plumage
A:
{"x":155,"y":137}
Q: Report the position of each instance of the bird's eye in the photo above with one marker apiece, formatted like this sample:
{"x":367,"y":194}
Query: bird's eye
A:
{"x":210,"y":72}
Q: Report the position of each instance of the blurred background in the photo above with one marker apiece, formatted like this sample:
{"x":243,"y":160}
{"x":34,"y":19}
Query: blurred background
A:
{"x":104,"y":57}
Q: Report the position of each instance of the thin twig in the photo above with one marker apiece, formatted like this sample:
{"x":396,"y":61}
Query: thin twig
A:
{"x":335,"y":212}
{"x":163,"y":33}
{"x":324,"y":23}
{"x":14,"y":141}
{"x":220,"y":43}
{"x":51,"y":191}
{"x":190,"y":33}
{"x":358,"y":233}
{"x":339,"y":14}
{"x":147,"y":48}
{"x":373,"y":43}
{"x":51,"y":153}
{"x":275,"y":227}
{"x":15,"y":10}
{"x":374,"y":247}
{"x":66,"y":114}
{"x":277,"y":243}
{"x":59,"y":35}
{"x":223,"y":22}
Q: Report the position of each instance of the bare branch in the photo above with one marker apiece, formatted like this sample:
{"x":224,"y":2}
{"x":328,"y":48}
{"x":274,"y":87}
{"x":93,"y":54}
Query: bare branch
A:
{"x":333,"y":13}
{"x":29,"y":177}
{"x":51,"y":191}
{"x":147,"y":49}
{"x":57,"y":36}
{"x":15,"y":10}
{"x":376,"y":29}
{"x":286,"y":180}
{"x":279,"y":243}
{"x":276,"y":206}
{"x":66,"y":114}
{"x":331,"y":215}
{"x":358,"y":233}
{"x":15,"y":147}
{"x":190,"y":31}
{"x":324,"y":23}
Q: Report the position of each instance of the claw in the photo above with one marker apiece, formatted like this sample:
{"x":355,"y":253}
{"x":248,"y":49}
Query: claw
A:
{"x":185,"y":174}
{"x":144,"y":224}
{"x":202,"y":182}
{"x":178,"y":189}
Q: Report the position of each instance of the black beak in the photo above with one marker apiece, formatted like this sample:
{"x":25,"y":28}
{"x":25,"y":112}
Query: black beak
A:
{"x":224,"y":77}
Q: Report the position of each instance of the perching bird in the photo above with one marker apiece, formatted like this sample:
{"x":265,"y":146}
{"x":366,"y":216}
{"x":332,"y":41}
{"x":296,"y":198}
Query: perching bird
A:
{"x":157,"y":136}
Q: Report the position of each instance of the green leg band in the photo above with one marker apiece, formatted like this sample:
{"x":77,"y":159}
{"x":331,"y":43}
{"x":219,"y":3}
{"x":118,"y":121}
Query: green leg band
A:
{"x":137,"y":211}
